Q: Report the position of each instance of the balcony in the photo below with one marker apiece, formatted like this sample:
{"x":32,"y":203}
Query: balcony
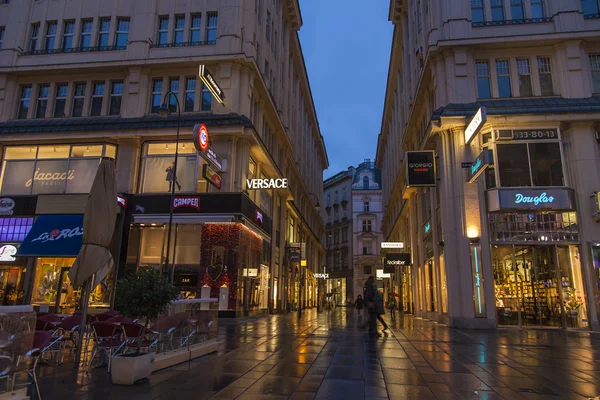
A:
{"x":591,"y":16}
{"x":512,"y":22}
{"x":73,"y":50}
{"x":182,"y":44}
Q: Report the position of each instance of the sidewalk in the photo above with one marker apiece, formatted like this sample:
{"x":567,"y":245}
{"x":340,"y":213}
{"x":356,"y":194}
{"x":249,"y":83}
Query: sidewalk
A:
{"x":327,"y":356}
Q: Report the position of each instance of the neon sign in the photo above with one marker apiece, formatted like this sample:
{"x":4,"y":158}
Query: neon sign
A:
{"x":541,"y":199}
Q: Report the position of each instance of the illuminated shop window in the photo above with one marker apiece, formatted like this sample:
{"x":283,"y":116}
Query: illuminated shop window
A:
{"x":14,"y":229}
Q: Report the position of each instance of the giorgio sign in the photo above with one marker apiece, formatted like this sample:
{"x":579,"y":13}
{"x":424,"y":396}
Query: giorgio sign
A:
{"x":420,"y":169}
{"x":531,"y":199}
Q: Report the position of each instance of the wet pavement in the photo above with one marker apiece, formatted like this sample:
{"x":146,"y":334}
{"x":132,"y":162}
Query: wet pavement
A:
{"x":328,"y":356}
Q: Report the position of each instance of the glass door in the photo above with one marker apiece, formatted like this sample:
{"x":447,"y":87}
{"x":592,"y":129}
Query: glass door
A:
{"x":548,"y":287}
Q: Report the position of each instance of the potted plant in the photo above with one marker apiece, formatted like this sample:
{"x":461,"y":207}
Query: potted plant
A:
{"x":144,"y":295}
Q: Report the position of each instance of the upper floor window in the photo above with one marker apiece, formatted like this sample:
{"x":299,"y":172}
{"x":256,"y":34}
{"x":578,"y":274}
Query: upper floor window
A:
{"x":60,"y":100}
{"x":178,"y":37}
{"x":24,"y":102}
{"x":173,"y":87}
{"x":211,"y":28}
{"x":517,"y":10}
{"x":78,"y":99}
{"x":1,"y":36}
{"x":344,"y":235}
{"x":190,"y":93}
{"x":497,"y":10}
{"x":103,"y":32}
{"x":116,"y":94}
{"x":268,"y":26}
{"x":524,"y":75}
{"x":537,"y":9}
{"x":97,"y":98}
{"x":163,"y":29}
{"x":483,"y":80}
{"x":366,"y":206}
{"x":366,"y":225}
{"x":85,"y":36}
{"x":122,"y":34}
{"x":477,"y":11}
{"x":195,"y":28}
{"x":35,"y":35}
{"x":68,"y":32}
{"x":529,"y":164}
{"x":367,"y":270}
{"x":336,"y":237}
{"x":158,"y":173}
{"x":42,"y":101}
{"x":51,"y":169}
{"x":590,"y":7}
{"x":595,"y":67}
{"x":156,"y":98}
{"x":50,"y":36}
{"x":503,"y":73}
{"x":525,"y":88}
{"x":206,"y":99}
{"x":365,"y":182}
{"x":545,"y":72}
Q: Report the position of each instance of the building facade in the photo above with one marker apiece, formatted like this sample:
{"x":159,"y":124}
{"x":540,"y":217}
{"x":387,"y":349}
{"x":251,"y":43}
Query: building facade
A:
{"x":506,"y":96}
{"x":83,"y":80}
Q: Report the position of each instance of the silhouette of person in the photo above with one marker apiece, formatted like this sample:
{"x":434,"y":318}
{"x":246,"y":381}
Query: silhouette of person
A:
{"x":171,"y":177}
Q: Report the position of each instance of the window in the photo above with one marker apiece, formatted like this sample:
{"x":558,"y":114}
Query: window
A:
{"x":60,"y":100}
{"x":1,"y":36}
{"x":537,"y":9}
{"x":336,"y":237}
{"x":85,"y":36}
{"x":477,"y":11}
{"x":516,"y":9}
{"x":367,"y":270}
{"x":116,"y":94}
{"x":268,"y":27}
{"x":42,"y":101}
{"x":366,"y":226}
{"x":97,"y":97}
{"x":545,"y":72}
{"x":525,"y":88}
{"x":173,"y":87}
{"x":68,"y":32}
{"x":179,"y":29}
{"x":156,"y":94}
{"x":367,"y":250}
{"x":163,"y":29}
{"x":530,"y":164}
{"x":206,"y":99}
{"x":195,"y":29}
{"x":53,"y":169}
{"x":589,"y":7}
{"x":103,"y":32}
{"x":595,"y":67}
{"x":503,"y":72}
{"x":211,"y":28}
{"x":365,"y":182}
{"x":158,"y":175}
{"x":35,"y":35}
{"x":344,"y":235}
{"x":366,"y":206}
{"x":24,"y":102}
{"x":497,"y":10}
{"x":190,"y":92}
{"x":122,"y":35}
{"x":14,"y":229}
{"x":78,"y":99}
{"x":483,"y":80}
{"x":50,"y":36}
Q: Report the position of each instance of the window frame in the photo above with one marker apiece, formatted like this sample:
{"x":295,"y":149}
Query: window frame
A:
{"x":114,"y":95}
{"x":120,"y":32}
{"x":23,"y":100}
{"x":154,"y":93}
{"x":103,"y":32}
{"x":34,"y":36}
{"x":501,"y":73}
{"x":39,"y":99}
{"x":488,"y":77}
{"x":85,"y":34}
{"x":522,"y":62}
{"x":187,"y":91}
{"x":516,"y":5}
{"x":194,"y":29}
{"x":594,"y":60}
{"x":176,"y":30}
{"x":2,"y":30}
{"x":210,"y":28}
{"x":535,"y":5}
{"x":50,"y":38}
{"x":76,"y":97}
{"x":95,"y":97}
{"x":550,"y":73}
{"x":497,"y":5}
{"x":66,"y":35}
{"x":162,"y":30}
{"x":57,"y":97}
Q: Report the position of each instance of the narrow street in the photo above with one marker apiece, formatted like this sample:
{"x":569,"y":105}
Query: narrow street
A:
{"x":328,"y":356}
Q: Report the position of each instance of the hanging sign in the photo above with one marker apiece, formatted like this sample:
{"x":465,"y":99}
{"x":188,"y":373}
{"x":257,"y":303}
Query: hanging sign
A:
{"x":420,"y":170}
{"x":322,"y":275}
{"x":392,"y":245}
{"x":211,"y":176}
{"x":380,"y":274}
{"x":211,"y":84}
{"x":294,"y":256}
{"x":475,"y":125}
{"x":394,"y":260}
{"x":7,"y":252}
{"x":212,"y":157}
{"x":481,"y":163}
{"x":200,"y":133}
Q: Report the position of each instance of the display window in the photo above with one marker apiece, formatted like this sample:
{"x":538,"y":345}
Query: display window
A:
{"x":11,"y":285}
{"x":53,"y":169}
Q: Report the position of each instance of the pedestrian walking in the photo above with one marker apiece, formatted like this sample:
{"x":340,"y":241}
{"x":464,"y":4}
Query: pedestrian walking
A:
{"x":379,"y":309}
{"x":359,"y":304}
{"x":392,"y":306}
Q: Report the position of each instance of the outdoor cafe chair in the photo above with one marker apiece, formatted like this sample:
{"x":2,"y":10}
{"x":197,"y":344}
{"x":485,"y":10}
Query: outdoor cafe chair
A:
{"x":165,"y":328}
{"x":50,"y":318}
{"x":119,"y":319}
{"x":185,"y":330}
{"x":107,"y":339}
{"x":69,"y":329}
{"x":133,"y":337}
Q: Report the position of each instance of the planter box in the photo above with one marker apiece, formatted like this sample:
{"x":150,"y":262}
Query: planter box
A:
{"x":20,"y":394}
{"x":126,"y":370}
{"x":174,"y":357}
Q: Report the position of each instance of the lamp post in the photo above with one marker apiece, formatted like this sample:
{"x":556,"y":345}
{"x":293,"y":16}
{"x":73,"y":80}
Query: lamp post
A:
{"x":303,"y":273}
{"x":164,"y":111}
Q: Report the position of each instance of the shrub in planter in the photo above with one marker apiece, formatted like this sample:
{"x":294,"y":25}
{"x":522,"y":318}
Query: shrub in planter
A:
{"x":145,"y":295}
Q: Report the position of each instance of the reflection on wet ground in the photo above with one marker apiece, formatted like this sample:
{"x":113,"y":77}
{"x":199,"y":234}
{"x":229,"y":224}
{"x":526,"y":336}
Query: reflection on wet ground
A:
{"x":328,"y":356}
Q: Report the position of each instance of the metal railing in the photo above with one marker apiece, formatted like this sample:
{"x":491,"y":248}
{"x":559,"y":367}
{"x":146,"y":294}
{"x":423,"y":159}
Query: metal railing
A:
{"x":182,"y":44}
{"x":73,"y":50}
{"x":512,"y":22}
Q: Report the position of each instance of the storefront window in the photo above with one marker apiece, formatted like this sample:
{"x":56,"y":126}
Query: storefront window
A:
{"x":14,"y":229}
{"x":158,"y":171}
{"x":51,"y":169}
{"x":533,"y":227}
{"x":529,"y":164}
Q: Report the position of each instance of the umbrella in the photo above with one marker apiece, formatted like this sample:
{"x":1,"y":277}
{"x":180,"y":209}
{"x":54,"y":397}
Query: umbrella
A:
{"x":99,"y":220}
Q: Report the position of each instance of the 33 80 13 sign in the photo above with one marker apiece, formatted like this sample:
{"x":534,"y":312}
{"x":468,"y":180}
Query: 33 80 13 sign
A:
{"x":533,"y":134}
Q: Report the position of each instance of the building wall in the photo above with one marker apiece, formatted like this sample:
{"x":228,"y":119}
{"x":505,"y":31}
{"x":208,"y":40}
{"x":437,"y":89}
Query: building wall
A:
{"x":435,"y":56}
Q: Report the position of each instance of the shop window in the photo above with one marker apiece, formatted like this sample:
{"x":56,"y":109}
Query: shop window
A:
{"x":51,"y":169}
{"x":158,"y":163}
{"x":529,"y":227}
{"x":14,"y":229}
{"x":530,"y":164}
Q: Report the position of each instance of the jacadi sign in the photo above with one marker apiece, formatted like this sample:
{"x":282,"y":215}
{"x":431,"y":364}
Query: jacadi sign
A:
{"x":530,"y":199}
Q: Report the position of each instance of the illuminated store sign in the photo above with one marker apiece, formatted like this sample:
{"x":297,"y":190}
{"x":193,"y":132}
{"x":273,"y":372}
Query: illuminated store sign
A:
{"x":186,"y":201}
{"x":211,"y":84}
{"x":200,"y":134}
{"x":394,"y":260}
{"x":421,"y":168}
{"x":427,"y":228}
{"x":211,"y":176}
{"x":381,"y":274}
{"x":530,"y":199}
{"x":7,"y":252}
{"x":392,"y":245}
{"x":322,"y":276}
{"x":279,"y":183}
{"x":481,"y":163}
{"x":477,"y":122}
{"x":212,"y":157}
{"x":7,"y":206}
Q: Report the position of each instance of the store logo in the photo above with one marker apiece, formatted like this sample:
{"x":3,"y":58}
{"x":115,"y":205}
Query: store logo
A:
{"x":7,"y":206}
{"x":475,"y":167}
{"x":322,"y":276}
{"x":58,"y":234}
{"x":51,"y":178}
{"x":395,"y":262}
{"x":191,"y":202}
{"x":7,"y":252}
{"x":421,"y":166}
{"x":280,"y":183}
{"x":428,"y":227}
{"x":542,"y":198}
{"x":258,"y":217}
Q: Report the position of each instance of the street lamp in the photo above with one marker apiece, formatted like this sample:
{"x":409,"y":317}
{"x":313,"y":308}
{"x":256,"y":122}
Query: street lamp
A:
{"x":164,"y":111}
{"x":303,"y":273}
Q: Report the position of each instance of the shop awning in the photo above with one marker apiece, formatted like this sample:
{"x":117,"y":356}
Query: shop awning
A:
{"x":53,"y":236}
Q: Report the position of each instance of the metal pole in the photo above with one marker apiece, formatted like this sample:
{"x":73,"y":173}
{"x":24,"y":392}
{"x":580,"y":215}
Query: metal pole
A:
{"x":173,"y":183}
{"x":85,"y":297}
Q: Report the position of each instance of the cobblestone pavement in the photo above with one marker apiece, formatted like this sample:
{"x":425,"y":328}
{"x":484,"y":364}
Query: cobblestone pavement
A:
{"x":328,"y":356}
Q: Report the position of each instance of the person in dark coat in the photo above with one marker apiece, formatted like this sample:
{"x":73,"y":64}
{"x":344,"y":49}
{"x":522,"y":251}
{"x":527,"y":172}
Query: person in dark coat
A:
{"x":359,"y":304}
{"x":380,"y":309}
{"x":370,"y":303}
{"x":170,"y":177}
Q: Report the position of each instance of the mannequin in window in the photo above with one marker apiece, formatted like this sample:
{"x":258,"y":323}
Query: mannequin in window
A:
{"x":170,"y":177}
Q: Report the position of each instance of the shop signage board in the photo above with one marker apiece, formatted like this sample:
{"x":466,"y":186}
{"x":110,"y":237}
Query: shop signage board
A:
{"x":481,"y":163}
{"x":531,"y":199}
{"x":534,"y":134}
{"x":420,"y":169}
{"x":475,"y":125}
{"x":187,"y":202}
{"x":294,"y":256}
{"x":211,"y":84}
{"x":393,"y":260}
{"x":392,"y":245}
{"x":201,"y":138}
{"x":7,"y":206}
{"x":211,"y":176}
{"x":212,"y":157}
{"x":7,"y":252}
{"x":380,"y":274}
{"x":250,"y":272}
{"x":185,"y":280}
{"x":279,"y":183}
{"x":54,"y":235}
{"x":323,"y":275}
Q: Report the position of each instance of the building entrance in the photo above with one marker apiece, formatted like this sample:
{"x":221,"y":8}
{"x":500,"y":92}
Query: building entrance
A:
{"x":538,"y":286}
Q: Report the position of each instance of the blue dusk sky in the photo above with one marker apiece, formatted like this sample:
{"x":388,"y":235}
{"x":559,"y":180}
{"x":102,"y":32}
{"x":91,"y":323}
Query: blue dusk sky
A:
{"x":346,"y":45}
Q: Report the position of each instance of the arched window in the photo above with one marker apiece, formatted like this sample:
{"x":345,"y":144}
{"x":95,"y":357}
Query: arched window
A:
{"x":365,"y":182}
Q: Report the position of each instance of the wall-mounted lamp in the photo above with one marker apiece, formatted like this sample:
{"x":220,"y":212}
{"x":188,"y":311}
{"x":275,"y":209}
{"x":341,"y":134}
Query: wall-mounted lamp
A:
{"x":473,"y":232}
